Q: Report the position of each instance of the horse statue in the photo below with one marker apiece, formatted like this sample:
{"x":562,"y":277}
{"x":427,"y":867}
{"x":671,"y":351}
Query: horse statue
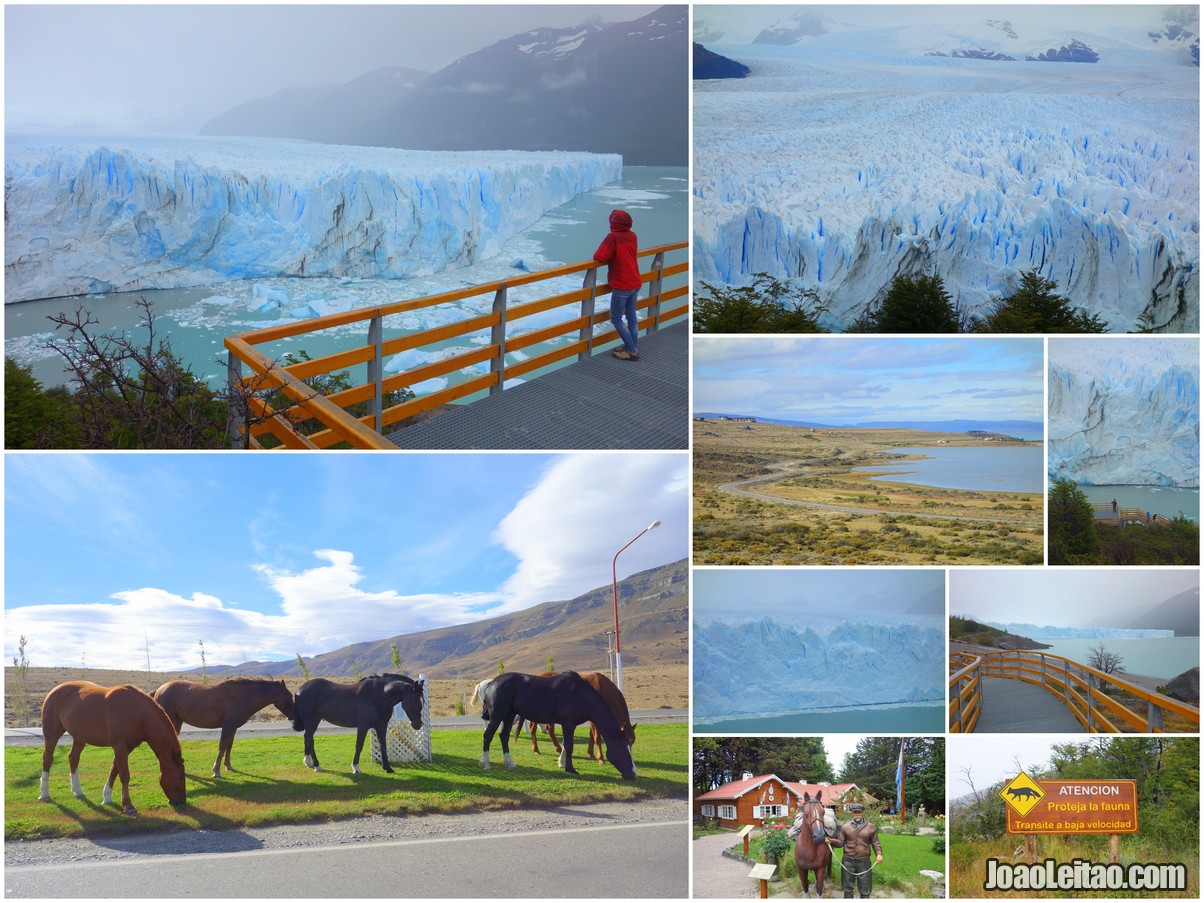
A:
{"x":613,"y":697}
{"x":227,"y":705}
{"x":368,"y":703}
{"x":811,"y":850}
{"x":564,"y":699}
{"x":119,"y":717}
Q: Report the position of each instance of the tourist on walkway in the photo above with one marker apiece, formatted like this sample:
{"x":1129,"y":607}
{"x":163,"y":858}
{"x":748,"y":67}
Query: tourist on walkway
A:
{"x":858,"y":837}
{"x":618,"y":250}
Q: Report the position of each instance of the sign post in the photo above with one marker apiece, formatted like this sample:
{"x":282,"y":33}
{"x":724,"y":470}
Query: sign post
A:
{"x":743,"y":835}
{"x":763,"y":871}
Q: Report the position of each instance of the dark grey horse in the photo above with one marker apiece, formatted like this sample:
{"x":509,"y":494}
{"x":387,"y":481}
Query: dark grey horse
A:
{"x":564,"y":699}
{"x":366,"y":704}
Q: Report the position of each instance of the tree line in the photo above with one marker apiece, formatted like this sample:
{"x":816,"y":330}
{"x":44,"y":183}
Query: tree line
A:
{"x":912,"y":304}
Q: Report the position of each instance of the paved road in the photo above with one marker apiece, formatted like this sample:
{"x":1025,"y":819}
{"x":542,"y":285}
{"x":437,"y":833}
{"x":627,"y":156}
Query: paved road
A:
{"x":32,"y":736}
{"x":610,"y":850}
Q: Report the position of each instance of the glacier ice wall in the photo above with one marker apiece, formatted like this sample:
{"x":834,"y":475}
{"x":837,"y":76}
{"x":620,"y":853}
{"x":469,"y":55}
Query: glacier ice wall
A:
{"x":842,"y":170}
{"x":88,"y":216}
{"x":1047,"y":632}
{"x":1125,"y":411}
{"x":765,"y":666}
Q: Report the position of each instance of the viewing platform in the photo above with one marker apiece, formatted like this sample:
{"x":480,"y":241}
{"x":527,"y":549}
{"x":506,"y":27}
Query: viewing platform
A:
{"x":550,"y":355}
{"x":1120,"y":516}
{"x":1025,"y":691}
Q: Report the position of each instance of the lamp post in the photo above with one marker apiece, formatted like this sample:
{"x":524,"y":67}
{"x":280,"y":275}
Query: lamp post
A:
{"x":615,"y":584}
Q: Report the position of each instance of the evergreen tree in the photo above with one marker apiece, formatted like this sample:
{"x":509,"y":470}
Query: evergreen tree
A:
{"x":1071,"y":523}
{"x":913,"y":304}
{"x":873,"y":764}
{"x":34,"y":417}
{"x":767,"y":305}
{"x":1035,"y":307}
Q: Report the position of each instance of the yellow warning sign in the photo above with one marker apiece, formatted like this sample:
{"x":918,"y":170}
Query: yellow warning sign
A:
{"x":1021,"y":794}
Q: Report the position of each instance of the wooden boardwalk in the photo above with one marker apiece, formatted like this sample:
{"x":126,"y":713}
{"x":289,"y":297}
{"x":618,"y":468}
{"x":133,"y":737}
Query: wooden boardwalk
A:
{"x":599,"y":403}
{"x":1012,"y":706}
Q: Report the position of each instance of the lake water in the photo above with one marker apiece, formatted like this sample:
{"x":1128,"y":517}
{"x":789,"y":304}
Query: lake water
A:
{"x":986,"y":468}
{"x":1166,"y":501}
{"x":1159,"y":657}
{"x":910,"y":719}
{"x":198,"y":319}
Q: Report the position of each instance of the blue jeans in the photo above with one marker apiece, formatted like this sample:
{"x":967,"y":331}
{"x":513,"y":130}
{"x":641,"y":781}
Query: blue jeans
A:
{"x":622,"y":304}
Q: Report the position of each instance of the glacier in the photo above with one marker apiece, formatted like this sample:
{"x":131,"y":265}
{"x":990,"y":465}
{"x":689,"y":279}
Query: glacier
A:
{"x":1047,"y":632}
{"x":768,"y":666}
{"x":839,"y":167}
{"x":89,"y":215}
{"x":1124,"y":411}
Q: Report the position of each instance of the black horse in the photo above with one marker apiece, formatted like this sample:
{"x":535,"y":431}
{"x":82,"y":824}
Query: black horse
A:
{"x":366,"y":704}
{"x":564,"y":699}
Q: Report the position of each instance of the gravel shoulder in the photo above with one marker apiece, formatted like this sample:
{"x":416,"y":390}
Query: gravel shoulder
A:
{"x":368,"y":829}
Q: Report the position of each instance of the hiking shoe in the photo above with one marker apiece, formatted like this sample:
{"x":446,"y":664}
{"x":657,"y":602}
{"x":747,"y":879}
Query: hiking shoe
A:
{"x":621,"y":354}
{"x":633,"y":355}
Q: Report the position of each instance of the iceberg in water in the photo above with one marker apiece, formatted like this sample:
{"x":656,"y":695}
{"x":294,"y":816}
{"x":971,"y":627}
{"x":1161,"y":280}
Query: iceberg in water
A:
{"x":761,"y":667}
{"x":85,"y":216}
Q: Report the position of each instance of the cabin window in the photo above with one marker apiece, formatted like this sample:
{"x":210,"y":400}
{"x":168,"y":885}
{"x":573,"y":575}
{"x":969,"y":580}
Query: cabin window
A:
{"x":708,"y":811}
{"x":728,"y":812}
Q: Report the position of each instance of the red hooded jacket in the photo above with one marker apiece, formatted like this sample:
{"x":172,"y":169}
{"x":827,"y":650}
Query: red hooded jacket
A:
{"x":618,"y":250}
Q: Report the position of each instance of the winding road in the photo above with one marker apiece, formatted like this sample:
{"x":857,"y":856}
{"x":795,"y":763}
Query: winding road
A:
{"x":739,"y":487}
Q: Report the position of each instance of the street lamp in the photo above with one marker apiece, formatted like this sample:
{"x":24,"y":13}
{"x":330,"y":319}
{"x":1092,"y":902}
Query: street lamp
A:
{"x":615,"y":583}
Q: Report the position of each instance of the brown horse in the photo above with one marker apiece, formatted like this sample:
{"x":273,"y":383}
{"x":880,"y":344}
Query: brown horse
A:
{"x":121,"y":717}
{"x":811,"y":850}
{"x":614,"y":699}
{"x":227,"y":705}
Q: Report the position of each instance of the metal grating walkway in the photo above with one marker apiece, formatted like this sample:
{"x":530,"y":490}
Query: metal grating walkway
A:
{"x":600,"y":403}
{"x":1012,"y":706}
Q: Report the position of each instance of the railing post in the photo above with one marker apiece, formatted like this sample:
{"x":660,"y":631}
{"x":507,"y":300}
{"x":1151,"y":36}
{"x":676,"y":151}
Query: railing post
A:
{"x":497,"y":338}
{"x":590,"y":285}
{"x":654,"y":291}
{"x":234,"y":398}
{"x":1153,"y":717}
{"x":376,"y":372}
{"x":1090,"y":704}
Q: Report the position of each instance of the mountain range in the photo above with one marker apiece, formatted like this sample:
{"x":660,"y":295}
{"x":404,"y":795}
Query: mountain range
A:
{"x":1180,"y":613}
{"x":1005,"y":427}
{"x":1173,"y":30}
{"x":654,"y":627}
{"x":606,"y":88}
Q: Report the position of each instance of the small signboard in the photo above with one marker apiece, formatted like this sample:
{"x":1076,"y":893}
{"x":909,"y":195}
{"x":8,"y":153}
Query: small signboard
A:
{"x":745,"y":831}
{"x":1070,"y":807}
{"x":763,"y":871}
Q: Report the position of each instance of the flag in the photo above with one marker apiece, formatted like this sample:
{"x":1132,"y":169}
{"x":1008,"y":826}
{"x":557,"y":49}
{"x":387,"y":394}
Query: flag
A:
{"x":899,"y":781}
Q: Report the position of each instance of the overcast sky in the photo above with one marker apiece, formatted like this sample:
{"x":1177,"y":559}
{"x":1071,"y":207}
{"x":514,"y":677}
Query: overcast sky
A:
{"x":111,"y":67}
{"x":851,"y":379}
{"x":1082,"y":596}
{"x":267,"y":556}
{"x":764,"y":591}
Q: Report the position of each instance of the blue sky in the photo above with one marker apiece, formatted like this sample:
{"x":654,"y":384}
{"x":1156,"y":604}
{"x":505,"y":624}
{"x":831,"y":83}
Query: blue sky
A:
{"x":842,"y":380}
{"x":755,"y":592}
{"x":267,"y":556}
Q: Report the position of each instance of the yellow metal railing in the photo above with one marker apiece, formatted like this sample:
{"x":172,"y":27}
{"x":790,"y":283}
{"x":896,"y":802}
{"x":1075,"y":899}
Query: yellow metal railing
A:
{"x":253,"y":418}
{"x":1105,"y":513}
{"x":1089,"y":693}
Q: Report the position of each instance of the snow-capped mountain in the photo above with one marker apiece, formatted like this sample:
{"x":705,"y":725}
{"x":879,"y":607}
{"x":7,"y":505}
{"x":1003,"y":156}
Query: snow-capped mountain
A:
{"x":548,"y":89}
{"x":766,"y":666}
{"x":855,"y":156}
{"x":87,"y":216}
{"x":1125,"y":412}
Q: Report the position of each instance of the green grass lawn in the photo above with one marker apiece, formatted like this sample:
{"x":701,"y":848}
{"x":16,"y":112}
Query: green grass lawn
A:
{"x":272,"y":786}
{"x":903,"y":855}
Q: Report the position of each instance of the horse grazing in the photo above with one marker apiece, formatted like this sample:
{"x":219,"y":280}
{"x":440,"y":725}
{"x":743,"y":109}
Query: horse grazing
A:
{"x":564,"y":699}
{"x":366,"y":704}
{"x":120,"y":717}
{"x":811,"y":851}
{"x":613,"y":697}
{"x":227,"y":705}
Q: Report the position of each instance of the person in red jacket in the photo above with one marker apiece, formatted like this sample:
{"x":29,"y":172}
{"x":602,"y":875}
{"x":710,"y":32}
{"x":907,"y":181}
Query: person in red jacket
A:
{"x":618,"y":251}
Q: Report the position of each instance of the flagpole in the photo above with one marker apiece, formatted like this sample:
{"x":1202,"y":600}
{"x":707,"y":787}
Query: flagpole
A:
{"x":902,"y":780}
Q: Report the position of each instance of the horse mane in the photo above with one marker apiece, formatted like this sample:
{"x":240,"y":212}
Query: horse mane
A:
{"x":249,"y":680}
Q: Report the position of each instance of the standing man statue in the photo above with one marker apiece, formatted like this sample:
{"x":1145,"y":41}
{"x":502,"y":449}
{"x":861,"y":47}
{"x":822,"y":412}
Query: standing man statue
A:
{"x":858,"y":837}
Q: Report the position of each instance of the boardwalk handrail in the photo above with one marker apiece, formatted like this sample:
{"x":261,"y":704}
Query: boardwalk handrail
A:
{"x":1084,"y":689}
{"x":965,"y":692}
{"x":252,"y":416}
